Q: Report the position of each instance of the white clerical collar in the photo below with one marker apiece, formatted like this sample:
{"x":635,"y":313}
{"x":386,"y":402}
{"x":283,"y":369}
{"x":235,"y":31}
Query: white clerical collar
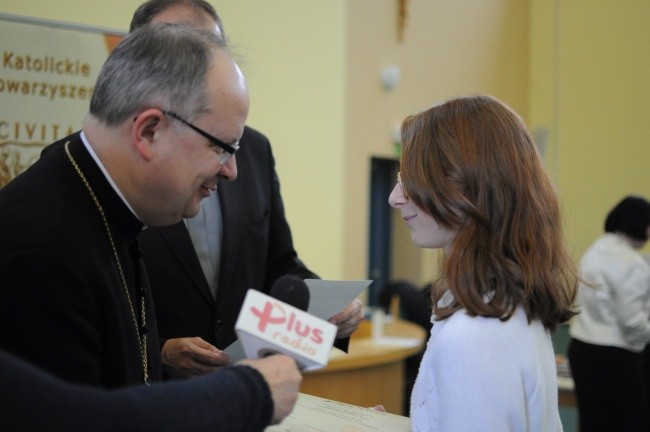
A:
{"x":106,"y":174}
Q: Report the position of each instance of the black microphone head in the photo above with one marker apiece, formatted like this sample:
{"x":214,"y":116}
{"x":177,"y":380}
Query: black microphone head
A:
{"x":291,"y":290}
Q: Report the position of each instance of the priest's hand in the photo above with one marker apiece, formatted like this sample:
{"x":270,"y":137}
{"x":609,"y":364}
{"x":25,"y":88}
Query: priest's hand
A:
{"x":193,"y":356}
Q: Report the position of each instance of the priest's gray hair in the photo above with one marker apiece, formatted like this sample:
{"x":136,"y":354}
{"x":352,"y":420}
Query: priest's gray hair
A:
{"x":156,"y":66}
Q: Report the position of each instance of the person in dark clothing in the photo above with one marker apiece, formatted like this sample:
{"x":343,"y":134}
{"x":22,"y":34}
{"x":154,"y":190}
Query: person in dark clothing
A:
{"x":236,"y":399}
{"x":201,"y":268}
{"x":74,"y":295}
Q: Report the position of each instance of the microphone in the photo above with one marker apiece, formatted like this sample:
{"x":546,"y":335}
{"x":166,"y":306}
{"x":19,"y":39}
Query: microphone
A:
{"x":292,"y":290}
{"x":268,"y":325}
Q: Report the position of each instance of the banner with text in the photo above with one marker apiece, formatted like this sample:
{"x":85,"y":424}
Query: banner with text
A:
{"x":47,"y":73}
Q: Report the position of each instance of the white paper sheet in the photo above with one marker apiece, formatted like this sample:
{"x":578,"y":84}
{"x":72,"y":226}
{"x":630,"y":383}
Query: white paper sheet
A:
{"x":314,"y":414}
{"x":235,"y":351}
{"x":329,"y":297}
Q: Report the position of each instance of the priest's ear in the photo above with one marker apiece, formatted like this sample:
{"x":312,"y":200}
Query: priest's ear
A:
{"x":146,"y":131}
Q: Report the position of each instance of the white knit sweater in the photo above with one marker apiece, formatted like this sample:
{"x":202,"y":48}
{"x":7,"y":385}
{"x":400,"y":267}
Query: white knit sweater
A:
{"x":485,"y":375}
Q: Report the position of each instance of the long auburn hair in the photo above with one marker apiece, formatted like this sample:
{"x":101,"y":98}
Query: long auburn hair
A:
{"x":472,"y":165}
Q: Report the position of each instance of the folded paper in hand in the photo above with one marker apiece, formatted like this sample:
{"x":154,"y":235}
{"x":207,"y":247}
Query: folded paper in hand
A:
{"x":268,"y":326}
{"x":329,"y":297}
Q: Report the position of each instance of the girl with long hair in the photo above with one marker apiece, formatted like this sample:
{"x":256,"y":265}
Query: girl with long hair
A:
{"x":473,"y":184}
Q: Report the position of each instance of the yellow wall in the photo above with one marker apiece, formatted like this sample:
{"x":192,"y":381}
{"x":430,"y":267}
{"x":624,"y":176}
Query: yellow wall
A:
{"x":294,"y":60}
{"x":313,"y":69}
{"x":292,"y":53}
{"x":590,"y":64}
{"x":573,"y":68}
{"x":450,"y":48}
{"x":91,"y":12}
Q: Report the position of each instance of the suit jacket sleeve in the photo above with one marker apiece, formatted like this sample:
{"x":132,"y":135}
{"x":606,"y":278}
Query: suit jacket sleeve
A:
{"x":235,"y":399}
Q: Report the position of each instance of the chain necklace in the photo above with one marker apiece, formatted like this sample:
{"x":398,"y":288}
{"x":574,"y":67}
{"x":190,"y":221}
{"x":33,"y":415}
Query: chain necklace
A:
{"x":142,"y":336}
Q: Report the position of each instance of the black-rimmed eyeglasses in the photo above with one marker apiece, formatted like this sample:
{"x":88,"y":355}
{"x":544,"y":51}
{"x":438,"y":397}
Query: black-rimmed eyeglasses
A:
{"x":228,"y":150}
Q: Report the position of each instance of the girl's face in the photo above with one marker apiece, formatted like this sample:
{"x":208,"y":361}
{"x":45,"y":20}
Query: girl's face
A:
{"x":425,"y":231}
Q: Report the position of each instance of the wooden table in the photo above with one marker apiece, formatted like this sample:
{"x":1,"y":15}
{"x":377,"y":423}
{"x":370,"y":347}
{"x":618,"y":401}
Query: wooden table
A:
{"x":372,"y":372}
{"x":566,"y":395}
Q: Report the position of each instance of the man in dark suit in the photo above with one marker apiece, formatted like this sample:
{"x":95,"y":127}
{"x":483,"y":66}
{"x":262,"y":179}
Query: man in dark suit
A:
{"x":199,"y":288}
{"x":74,"y":298}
